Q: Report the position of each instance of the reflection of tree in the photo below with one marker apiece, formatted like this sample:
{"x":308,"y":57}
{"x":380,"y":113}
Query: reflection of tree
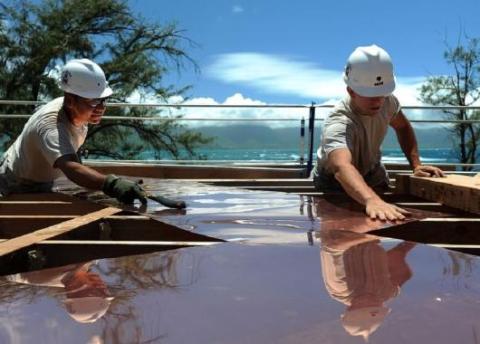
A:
{"x":12,"y":293}
{"x":122,"y":327}
{"x":461,"y":264}
{"x":126,"y":277}
{"x":458,"y":270}
{"x":152,"y":271}
{"x":139,"y":273}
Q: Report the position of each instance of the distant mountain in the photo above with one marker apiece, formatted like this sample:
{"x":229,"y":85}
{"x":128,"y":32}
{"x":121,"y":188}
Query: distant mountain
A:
{"x":260,"y":136}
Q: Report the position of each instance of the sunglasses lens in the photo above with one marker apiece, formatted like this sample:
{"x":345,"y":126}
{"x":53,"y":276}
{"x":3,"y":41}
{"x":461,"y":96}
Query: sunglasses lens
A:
{"x":96,"y":102}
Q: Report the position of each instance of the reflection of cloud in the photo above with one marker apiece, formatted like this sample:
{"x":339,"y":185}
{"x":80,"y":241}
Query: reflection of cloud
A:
{"x":12,"y":323}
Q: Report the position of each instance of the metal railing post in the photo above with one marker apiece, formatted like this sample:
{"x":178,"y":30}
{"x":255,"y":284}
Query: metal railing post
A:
{"x":302,"y":142}
{"x":311,"y":131}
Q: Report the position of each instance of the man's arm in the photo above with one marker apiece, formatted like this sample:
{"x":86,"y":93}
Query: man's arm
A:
{"x":122,"y":189}
{"x":408,"y":143}
{"x":80,"y":174}
{"x":340,"y":160}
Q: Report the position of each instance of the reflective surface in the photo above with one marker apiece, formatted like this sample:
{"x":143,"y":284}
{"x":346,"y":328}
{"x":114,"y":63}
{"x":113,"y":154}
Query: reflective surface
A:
{"x":300,"y":276}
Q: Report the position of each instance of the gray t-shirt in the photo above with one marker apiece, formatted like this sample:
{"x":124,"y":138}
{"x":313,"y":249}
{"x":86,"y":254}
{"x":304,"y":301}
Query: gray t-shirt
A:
{"x":361,"y":134}
{"x":48,"y":135}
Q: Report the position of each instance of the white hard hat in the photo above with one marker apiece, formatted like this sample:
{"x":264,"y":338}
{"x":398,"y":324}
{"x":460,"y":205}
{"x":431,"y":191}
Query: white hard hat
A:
{"x":364,"y":321}
{"x":369,"y":72}
{"x":85,"y":79}
{"x":87,"y":309}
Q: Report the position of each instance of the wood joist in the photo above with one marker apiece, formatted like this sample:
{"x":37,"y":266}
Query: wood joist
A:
{"x":460,"y":192}
{"x":48,"y":230}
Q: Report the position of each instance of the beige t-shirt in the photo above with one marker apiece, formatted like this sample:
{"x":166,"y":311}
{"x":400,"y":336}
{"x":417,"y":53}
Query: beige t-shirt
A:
{"x":361,"y":134}
{"x":47,"y":136}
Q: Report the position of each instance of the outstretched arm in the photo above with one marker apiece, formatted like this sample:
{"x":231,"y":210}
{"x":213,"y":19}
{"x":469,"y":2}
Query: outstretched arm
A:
{"x":408,"y":143}
{"x":124,"y":190}
{"x":80,"y":174}
{"x":340,"y":160}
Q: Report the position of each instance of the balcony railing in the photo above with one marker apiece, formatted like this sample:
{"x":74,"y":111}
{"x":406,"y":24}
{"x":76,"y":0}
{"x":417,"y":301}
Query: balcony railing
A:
{"x":309,"y":111}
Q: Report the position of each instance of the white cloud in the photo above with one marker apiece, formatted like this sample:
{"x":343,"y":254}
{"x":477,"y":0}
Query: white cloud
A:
{"x":237,"y":9}
{"x":259,"y":115}
{"x":278,"y":75}
{"x":284,"y":75}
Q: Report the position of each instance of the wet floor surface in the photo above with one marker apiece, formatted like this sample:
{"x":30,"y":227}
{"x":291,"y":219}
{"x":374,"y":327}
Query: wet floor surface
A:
{"x":298,"y":276}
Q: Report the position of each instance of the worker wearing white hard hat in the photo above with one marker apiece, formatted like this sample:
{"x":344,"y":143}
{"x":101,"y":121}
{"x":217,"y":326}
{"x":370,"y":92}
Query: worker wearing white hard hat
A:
{"x":349,"y":156}
{"x":361,"y":274}
{"x":50,"y":140}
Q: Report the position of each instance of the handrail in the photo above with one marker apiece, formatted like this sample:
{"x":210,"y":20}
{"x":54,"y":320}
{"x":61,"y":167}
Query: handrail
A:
{"x":292,"y":118}
{"x":287,"y":106}
{"x":236,"y":119}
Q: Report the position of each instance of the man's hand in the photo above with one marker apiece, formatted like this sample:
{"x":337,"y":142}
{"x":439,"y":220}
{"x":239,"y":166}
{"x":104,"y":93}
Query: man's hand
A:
{"x":124,"y":190}
{"x":427,"y":171}
{"x":376,"y":208}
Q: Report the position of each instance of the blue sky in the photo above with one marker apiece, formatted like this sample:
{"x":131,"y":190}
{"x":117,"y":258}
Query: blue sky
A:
{"x":294,"y":51}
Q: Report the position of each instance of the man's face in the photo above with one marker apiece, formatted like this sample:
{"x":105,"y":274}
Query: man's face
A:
{"x":367,"y":105}
{"x":88,"y":110}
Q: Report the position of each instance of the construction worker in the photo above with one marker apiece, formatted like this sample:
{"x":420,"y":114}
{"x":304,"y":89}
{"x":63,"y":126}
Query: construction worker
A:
{"x":349,"y":155}
{"x":50,"y":140}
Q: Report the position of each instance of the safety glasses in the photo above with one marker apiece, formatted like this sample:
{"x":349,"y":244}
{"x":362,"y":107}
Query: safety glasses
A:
{"x":93,"y":103}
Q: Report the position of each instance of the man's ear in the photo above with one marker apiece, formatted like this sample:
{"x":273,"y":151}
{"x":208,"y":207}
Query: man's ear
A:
{"x":350,"y":92}
{"x":68,"y":100}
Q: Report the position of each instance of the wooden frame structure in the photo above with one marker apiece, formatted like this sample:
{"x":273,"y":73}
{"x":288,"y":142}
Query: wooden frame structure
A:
{"x":81,"y":231}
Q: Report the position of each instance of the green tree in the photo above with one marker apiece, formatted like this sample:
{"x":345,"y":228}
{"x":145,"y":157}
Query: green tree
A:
{"x":38,"y":37}
{"x":461,"y":88}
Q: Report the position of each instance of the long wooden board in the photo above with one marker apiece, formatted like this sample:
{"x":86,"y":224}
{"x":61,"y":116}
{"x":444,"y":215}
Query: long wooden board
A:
{"x":456,"y":191}
{"x":22,"y":241}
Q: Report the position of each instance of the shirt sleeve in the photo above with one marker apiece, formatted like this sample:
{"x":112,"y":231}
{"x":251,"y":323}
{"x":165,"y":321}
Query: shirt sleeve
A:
{"x":55,"y":142}
{"x":394,"y":106}
{"x":335,"y":136}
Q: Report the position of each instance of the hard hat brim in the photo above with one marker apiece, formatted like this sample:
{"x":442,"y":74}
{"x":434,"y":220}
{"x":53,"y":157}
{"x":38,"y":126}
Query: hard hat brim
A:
{"x":107,"y":92}
{"x":381,"y":91}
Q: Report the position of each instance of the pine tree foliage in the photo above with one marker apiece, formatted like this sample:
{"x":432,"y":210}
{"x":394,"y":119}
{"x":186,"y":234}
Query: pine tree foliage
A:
{"x":460,"y":88}
{"x":37,"y":38}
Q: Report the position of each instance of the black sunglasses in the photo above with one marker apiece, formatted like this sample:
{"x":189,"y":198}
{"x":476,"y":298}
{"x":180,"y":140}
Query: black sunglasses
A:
{"x":93,"y":103}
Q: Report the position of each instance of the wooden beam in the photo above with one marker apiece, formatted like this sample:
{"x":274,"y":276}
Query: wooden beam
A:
{"x":124,"y":243}
{"x":113,"y":217}
{"x":456,"y":191}
{"x":14,"y":244}
{"x":454,"y":246}
{"x":194,"y":171}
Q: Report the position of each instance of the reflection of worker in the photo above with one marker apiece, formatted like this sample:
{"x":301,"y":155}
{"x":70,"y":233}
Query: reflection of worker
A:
{"x":361,"y":274}
{"x":87,"y":298}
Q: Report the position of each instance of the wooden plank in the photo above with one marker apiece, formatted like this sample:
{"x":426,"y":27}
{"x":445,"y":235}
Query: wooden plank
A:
{"x":52,"y":203}
{"x":258,"y":182}
{"x":456,"y":191}
{"x":113,"y":217}
{"x":195,"y":171}
{"x":14,"y":244}
{"x":124,"y":243}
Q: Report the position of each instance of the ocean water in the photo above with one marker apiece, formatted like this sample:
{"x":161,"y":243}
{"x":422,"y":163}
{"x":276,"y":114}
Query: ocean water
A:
{"x":437,"y":155}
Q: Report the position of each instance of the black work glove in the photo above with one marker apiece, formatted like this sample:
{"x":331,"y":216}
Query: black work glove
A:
{"x":123,"y":190}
